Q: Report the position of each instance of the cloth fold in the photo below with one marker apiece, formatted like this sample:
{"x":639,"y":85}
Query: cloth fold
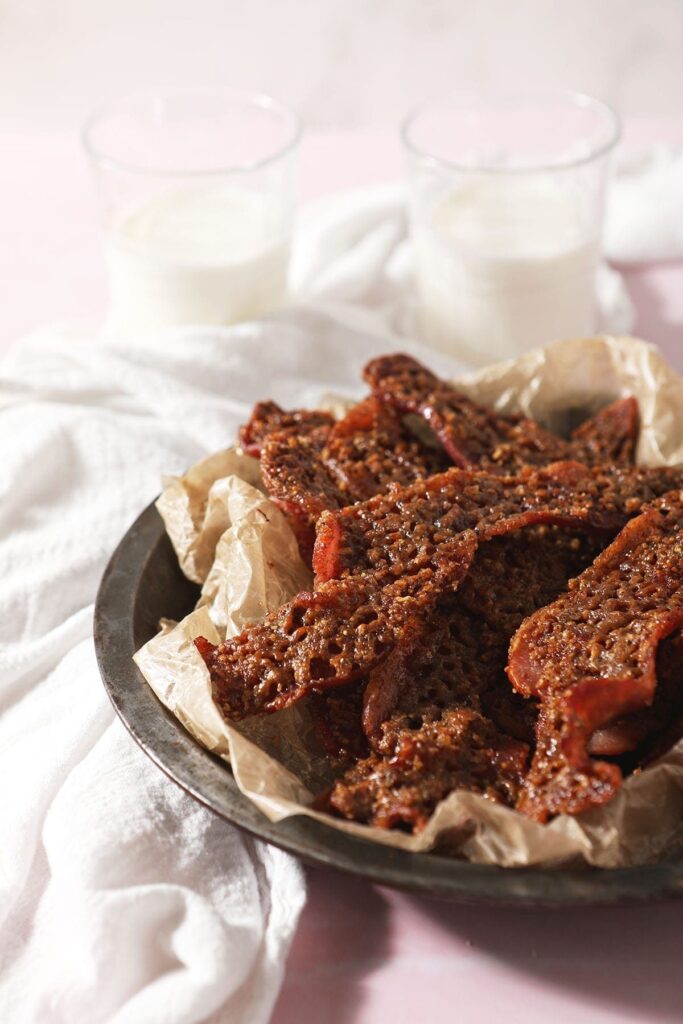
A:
{"x":121,"y":898}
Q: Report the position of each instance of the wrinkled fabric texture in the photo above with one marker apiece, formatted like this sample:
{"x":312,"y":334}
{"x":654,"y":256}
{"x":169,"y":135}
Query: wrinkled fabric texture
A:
{"x":121,"y":899}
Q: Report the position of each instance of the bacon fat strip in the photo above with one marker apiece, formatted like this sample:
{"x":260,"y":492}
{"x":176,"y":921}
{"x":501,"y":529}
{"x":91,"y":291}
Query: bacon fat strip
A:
{"x":475,"y":435}
{"x":590,"y":657}
{"x":407,"y":523}
{"x":330,"y":637}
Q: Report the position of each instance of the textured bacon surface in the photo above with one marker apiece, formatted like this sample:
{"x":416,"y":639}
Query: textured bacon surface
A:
{"x":298,"y":481}
{"x":419,"y":699}
{"x":610,"y":436}
{"x":309,"y":471}
{"x":372,"y":448}
{"x":644,"y":735}
{"x":268,"y":418}
{"x":590,"y":657}
{"x":400,"y":786}
{"x":395,"y":528}
{"x":332,"y":636}
{"x":336,"y":716}
{"x":425,"y":570}
{"x":474,"y":435}
{"x":461,"y":659}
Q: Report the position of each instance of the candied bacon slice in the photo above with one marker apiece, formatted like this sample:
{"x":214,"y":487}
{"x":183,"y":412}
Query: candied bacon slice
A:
{"x":591,"y":658}
{"x":371,"y":448}
{"x":440,"y":713}
{"x":642,"y":734}
{"x":400,"y":786}
{"x":298,"y":481}
{"x":268,"y":417}
{"x":474,"y":435}
{"x":468,"y":431}
{"x":406,"y":523}
{"x":337,"y":634}
{"x":610,"y":436}
{"x":336,"y":716}
{"x":330,"y":637}
{"x":461,"y":659}
{"x":321,"y":469}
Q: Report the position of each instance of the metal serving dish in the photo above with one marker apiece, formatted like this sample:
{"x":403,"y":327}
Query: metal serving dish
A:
{"x":142,"y":584}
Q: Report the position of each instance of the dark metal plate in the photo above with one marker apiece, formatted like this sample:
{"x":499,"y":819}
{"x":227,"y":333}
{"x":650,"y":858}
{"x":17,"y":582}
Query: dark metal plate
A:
{"x":143,"y":583}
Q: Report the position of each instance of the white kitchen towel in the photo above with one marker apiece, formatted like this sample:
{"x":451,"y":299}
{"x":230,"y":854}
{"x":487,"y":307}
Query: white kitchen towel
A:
{"x":121,"y":899}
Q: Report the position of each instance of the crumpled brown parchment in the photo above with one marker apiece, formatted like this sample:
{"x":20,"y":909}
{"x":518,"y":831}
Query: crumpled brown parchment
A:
{"x":230,"y":537}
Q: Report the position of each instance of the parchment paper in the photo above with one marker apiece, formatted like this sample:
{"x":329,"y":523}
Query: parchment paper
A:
{"x":276,"y":761}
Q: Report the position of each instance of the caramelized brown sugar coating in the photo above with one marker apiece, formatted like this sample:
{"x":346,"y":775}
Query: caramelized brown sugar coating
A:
{"x":372,"y":448}
{"x":268,"y":418}
{"x":610,"y":436}
{"x":409,"y":522}
{"x":474,"y":435}
{"x":347,"y":627}
{"x":401,"y":786}
{"x":336,"y":716}
{"x":439,"y":712}
{"x":461,"y":658}
{"x":298,"y":481}
{"x":333,"y":636}
{"x":646,"y":734}
{"x":309,"y":471}
{"x":590,"y":657}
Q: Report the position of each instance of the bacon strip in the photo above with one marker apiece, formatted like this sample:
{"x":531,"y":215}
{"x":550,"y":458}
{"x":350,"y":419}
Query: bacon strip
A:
{"x":405,"y":524}
{"x":461,"y":659}
{"x":330,"y":637}
{"x":299,"y":483}
{"x":322,"y":468}
{"x":610,"y":436}
{"x":474,"y":435}
{"x":372,"y":448}
{"x":447,"y":690}
{"x":401,"y":786}
{"x":312,"y":642}
{"x":268,"y":418}
{"x":591,"y":658}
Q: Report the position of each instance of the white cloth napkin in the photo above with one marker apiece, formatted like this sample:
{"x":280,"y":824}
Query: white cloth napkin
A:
{"x":121,"y":899}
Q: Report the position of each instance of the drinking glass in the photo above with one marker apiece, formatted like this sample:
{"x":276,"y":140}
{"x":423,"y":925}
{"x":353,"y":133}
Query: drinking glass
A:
{"x":506,"y":203}
{"x":197,"y":200}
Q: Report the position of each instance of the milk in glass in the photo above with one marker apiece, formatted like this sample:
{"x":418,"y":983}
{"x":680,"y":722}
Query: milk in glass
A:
{"x":207,"y":255}
{"x":503,"y":265}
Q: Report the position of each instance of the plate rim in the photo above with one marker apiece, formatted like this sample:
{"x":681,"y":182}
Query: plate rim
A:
{"x":189,"y":765}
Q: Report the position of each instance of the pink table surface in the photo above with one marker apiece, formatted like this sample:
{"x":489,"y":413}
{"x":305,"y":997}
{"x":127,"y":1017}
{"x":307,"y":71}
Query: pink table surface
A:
{"x":364,"y":954}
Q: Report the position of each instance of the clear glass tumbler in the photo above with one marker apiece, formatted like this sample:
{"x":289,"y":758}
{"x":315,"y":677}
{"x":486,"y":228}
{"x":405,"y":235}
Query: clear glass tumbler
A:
{"x":506,"y":208}
{"x":197,"y":198}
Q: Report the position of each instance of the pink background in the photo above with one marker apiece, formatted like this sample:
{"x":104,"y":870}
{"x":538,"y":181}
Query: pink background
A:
{"x":363,"y":954}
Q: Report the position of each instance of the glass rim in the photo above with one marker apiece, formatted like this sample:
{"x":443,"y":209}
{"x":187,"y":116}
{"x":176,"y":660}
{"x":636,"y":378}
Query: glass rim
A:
{"x":577,"y":100}
{"x":257,"y":100}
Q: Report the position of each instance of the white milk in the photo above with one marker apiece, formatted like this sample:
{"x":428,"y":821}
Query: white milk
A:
{"x":504,"y":265}
{"x":204,"y":256}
